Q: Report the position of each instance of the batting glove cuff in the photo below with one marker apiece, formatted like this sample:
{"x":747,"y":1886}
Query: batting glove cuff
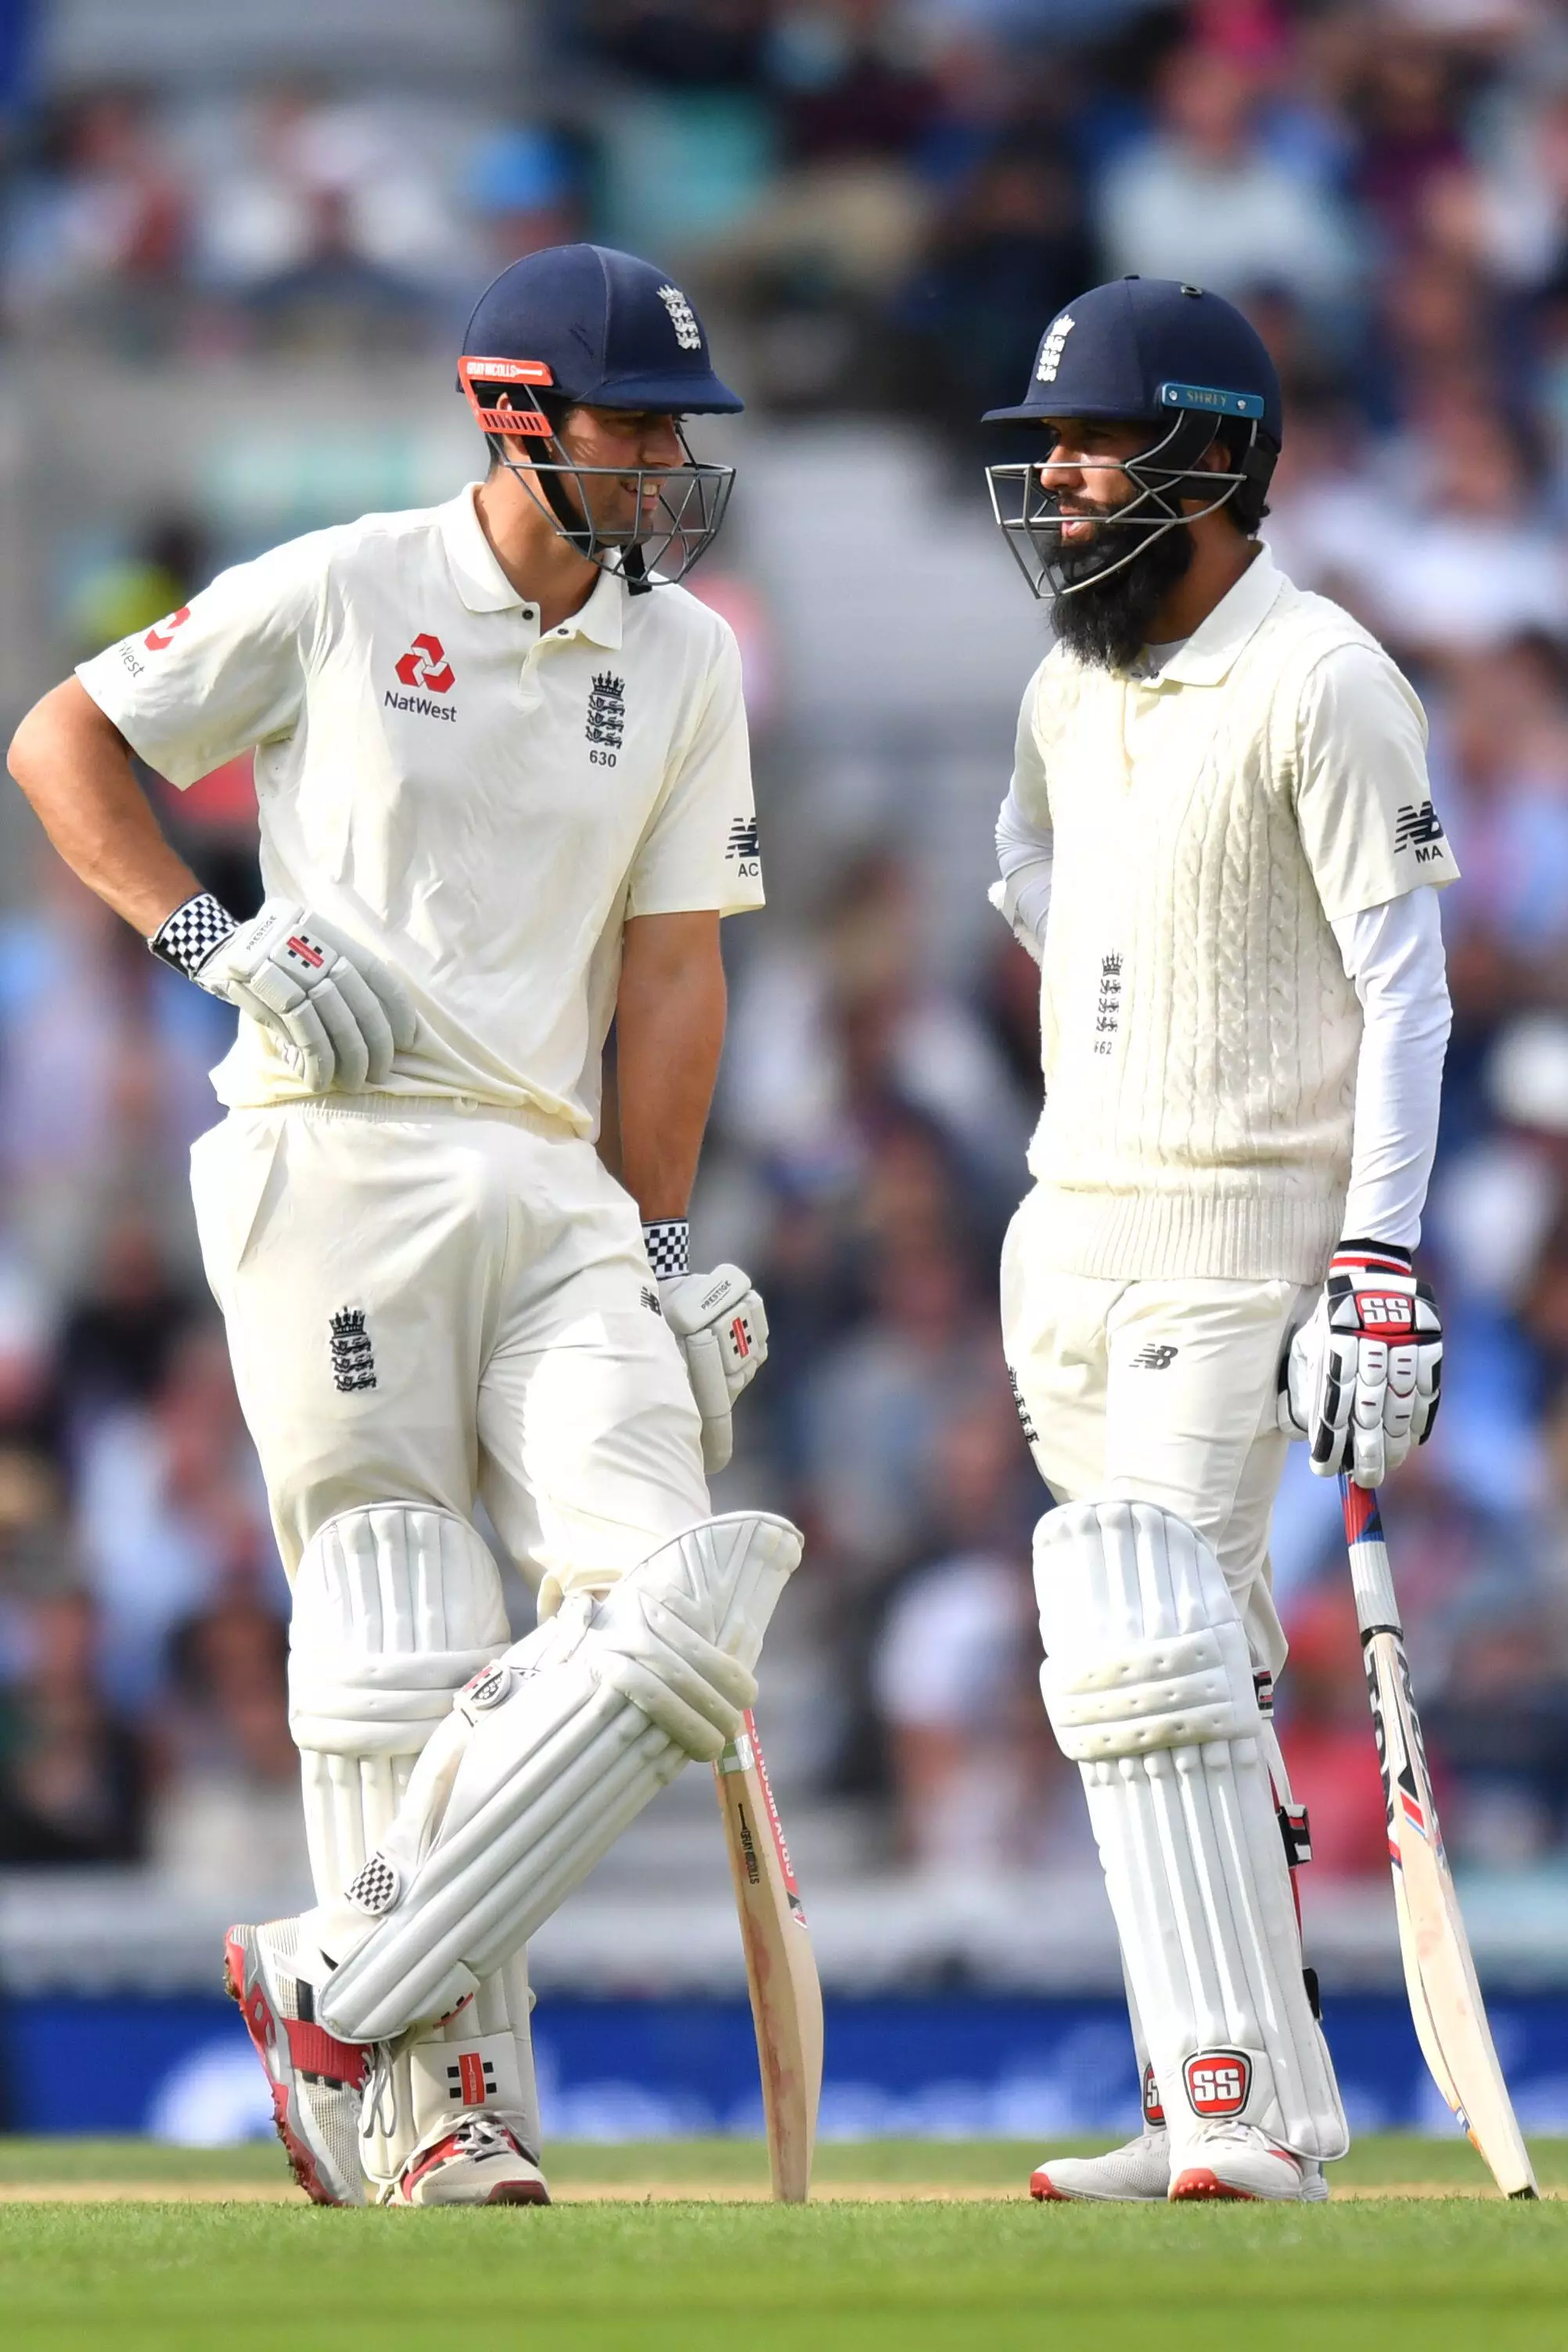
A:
{"x":668,"y":1241}
{"x":186,"y":940}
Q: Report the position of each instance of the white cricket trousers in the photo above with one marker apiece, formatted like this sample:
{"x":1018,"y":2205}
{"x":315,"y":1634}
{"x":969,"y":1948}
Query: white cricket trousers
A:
{"x":1160,"y":1392}
{"x":428,"y":1304}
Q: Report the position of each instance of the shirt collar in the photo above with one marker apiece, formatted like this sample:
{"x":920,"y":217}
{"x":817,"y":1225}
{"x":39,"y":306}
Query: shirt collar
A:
{"x":1210,"y":652}
{"x":485,"y":588}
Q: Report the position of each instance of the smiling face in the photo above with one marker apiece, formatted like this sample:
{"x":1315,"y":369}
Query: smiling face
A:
{"x":621,"y":505}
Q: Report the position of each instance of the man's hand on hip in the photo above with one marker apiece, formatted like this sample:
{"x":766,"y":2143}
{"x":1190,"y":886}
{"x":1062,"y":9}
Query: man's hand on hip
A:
{"x":1361,"y":1378}
{"x":722,"y":1329}
{"x":336,"y":1010}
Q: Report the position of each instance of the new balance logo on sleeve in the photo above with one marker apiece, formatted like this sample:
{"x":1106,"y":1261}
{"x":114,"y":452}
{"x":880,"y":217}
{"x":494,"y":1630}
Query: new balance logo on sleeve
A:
{"x":1157,"y":1356}
{"x":744,"y":844}
{"x":1418,"y":827}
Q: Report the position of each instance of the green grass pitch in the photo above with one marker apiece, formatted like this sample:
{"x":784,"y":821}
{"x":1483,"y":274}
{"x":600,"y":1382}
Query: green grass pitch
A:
{"x":128,"y":2261}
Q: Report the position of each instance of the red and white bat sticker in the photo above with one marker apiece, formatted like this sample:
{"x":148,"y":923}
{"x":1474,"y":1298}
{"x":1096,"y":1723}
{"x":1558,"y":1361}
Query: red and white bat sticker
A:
{"x":744,"y":1752}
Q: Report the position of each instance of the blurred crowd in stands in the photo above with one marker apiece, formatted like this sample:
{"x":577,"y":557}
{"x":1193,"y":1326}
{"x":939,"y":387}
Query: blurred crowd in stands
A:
{"x":879,"y":205}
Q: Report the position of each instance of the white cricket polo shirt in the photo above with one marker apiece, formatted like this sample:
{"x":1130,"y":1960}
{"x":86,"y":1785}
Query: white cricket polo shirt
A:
{"x":481,"y":805}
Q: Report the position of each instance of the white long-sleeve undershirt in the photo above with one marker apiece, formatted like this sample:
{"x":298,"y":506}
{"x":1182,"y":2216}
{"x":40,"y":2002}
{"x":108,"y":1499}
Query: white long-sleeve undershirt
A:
{"x":1392,"y":956}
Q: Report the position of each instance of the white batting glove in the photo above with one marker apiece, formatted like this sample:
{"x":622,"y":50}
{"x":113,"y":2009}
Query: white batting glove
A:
{"x":338,"y":1013}
{"x":721,"y":1325}
{"x":1361,"y":1378}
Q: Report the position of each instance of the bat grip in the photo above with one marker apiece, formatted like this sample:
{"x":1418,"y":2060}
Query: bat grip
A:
{"x":1376,"y":1603}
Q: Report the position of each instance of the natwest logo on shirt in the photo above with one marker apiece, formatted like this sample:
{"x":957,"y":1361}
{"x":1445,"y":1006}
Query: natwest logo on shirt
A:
{"x":424,"y":666}
{"x":159,"y":638}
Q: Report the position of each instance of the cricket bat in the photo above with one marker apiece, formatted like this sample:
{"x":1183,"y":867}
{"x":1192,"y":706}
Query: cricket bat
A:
{"x":1439,"y":1974}
{"x":781,"y":1972}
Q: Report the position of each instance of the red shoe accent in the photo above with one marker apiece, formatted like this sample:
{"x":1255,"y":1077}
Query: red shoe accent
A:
{"x":1199,"y":2186}
{"x":1043,"y":2189}
{"x":314,"y":2052}
{"x":432,"y":2156}
{"x":506,"y":2192}
{"x":260,"y":2025}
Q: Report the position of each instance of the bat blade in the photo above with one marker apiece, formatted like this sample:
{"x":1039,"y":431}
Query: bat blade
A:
{"x":1446,"y":2001}
{"x":781,"y":1970}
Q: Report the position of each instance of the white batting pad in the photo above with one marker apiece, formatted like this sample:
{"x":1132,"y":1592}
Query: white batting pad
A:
{"x":396,"y":1608}
{"x":545,"y":1759}
{"x":1149,"y":1687}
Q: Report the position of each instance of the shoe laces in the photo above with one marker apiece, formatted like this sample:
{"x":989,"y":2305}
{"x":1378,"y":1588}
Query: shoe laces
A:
{"x":1236,"y":2134}
{"x":378,"y":2104}
{"x":482,"y":2135}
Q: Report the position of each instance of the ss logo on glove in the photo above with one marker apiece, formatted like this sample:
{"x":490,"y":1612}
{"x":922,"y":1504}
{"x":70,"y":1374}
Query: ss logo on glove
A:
{"x":1361,"y":1378}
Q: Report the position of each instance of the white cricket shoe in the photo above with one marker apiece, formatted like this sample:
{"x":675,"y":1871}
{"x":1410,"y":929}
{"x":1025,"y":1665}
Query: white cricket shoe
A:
{"x":317,"y":2081}
{"x":1138,"y":2174}
{"x":1237,"y":2160}
{"x":483,"y":2162}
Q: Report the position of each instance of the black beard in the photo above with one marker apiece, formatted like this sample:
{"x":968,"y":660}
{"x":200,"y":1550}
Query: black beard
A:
{"x":1106,"y":622}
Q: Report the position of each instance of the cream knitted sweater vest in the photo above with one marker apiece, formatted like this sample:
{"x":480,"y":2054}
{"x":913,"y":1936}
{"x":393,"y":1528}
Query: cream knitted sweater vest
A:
{"x":1199,"y":1035}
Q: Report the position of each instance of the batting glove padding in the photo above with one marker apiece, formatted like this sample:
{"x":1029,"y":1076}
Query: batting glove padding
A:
{"x":723,"y":1327}
{"x":338,"y":1011}
{"x":1361,"y":1378}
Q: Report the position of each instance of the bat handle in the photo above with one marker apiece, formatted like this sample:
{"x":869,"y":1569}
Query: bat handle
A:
{"x":1376,"y":1603}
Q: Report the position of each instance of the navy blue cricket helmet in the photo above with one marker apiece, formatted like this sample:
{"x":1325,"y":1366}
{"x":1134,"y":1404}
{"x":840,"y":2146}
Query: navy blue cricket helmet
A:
{"x":586,"y":325}
{"x":1143,"y":351}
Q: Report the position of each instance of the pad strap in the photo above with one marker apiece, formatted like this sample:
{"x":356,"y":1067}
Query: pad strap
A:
{"x":1165,"y":1694}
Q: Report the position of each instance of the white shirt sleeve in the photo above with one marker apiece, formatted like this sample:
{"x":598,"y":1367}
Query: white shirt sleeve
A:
{"x":1392,"y":955}
{"x":701,"y":850}
{"x":223,"y":673}
{"x":1023,"y":896}
{"x":1364,"y":801}
{"x":1024,"y":837}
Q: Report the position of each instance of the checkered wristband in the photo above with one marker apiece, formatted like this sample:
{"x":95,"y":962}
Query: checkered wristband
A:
{"x":189,"y":936}
{"x":668,"y":1245}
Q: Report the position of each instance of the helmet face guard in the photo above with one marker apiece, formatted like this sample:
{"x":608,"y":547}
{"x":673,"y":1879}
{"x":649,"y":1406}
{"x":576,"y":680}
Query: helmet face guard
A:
{"x":671,"y":531}
{"x":1028,"y":506}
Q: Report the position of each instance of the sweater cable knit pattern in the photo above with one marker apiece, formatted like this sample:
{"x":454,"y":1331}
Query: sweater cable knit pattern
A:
{"x":1213,"y":1138}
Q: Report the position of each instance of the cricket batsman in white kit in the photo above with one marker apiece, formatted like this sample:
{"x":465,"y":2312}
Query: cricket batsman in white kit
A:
{"x":505,"y":793}
{"x":1219,"y":843}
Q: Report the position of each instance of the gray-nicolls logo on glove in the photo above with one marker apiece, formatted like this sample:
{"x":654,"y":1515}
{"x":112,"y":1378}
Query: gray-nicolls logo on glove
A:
{"x":336,"y":1011}
{"x":721,"y":1325}
{"x":1362,"y":1376}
